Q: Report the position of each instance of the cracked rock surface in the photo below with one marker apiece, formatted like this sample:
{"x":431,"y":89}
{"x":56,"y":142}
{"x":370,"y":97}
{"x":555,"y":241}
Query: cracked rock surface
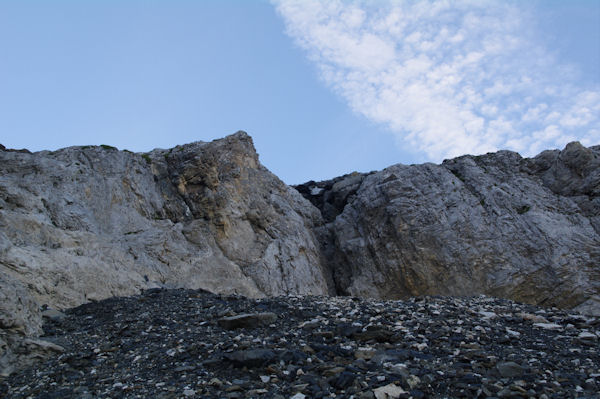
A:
{"x":202,"y":215}
{"x":170,"y":344}
{"x":527,"y":229}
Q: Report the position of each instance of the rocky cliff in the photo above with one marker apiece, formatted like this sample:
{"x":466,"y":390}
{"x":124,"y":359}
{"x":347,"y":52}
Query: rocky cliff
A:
{"x":86,"y":223}
{"x":497,"y":224}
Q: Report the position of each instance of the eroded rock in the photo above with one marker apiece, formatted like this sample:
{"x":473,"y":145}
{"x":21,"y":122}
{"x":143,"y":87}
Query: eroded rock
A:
{"x":499,"y":224}
{"x":86,"y":223}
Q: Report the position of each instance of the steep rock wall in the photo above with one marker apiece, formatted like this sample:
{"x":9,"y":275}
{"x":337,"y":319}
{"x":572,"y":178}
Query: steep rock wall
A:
{"x":497,"y":224}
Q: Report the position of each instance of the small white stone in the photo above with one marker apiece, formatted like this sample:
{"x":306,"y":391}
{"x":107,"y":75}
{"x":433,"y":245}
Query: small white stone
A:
{"x":488,"y":315}
{"x":585,"y":335}
{"x":171,"y":352}
{"x":298,"y":396}
{"x":513,"y":333}
{"x":420,"y":346}
{"x":413,"y":381}
{"x":265,"y":378}
{"x":316,"y":191}
{"x":390,"y":391}
{"x":189,"y":392}
{"x":532,"y":317}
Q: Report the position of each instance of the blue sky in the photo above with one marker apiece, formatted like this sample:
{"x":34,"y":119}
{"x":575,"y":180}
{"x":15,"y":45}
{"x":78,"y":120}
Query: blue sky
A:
{"x":324,"y":87}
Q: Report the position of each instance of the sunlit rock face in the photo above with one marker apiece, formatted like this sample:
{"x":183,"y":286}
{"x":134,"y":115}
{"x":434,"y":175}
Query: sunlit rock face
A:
{"x":498,"y":224}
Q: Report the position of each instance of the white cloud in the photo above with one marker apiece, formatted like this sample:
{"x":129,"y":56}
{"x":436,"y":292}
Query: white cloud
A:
{"x":447,"y":77}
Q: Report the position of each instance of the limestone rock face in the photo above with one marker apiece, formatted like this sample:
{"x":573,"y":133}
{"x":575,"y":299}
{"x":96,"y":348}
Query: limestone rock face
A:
{"x":497,"y":224}
{"x":86,"y":223}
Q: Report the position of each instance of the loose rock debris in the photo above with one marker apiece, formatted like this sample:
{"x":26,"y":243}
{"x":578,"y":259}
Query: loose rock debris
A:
{"x":194,"y":344}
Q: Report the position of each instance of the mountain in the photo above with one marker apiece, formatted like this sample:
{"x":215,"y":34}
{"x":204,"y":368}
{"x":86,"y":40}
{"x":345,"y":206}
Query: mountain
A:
{"x":86,"y":223}
{"x":497,"y":224}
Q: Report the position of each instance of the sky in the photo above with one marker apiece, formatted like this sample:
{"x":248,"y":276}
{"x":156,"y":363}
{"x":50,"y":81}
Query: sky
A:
{"x":324,"y":87}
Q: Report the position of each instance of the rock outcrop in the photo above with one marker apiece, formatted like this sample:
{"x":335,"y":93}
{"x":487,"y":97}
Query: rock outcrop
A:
{"x":497,"y":224}
{"x":87,"y":223}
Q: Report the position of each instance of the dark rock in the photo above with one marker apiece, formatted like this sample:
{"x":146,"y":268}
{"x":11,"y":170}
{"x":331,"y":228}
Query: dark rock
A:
{"x":293,"y":356}
{"x":416,"y":394}
{"x":375,"y":334}
{"x":250,"y":320}
{"x":344,"y":380}
{"x":250,"y":357}
{"x":510,"y":369}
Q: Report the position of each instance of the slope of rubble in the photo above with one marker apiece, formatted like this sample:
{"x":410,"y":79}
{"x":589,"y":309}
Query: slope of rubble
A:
{"x":194,"y":344}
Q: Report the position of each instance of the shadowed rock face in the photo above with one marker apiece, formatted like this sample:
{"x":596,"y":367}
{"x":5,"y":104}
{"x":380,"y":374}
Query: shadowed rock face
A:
{"x":499,"y":224}
{"x":86,"y":223}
